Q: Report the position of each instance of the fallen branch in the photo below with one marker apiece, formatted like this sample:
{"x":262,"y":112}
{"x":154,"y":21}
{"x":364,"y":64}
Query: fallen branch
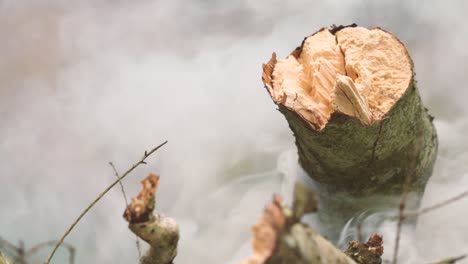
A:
{"x":134,"y":166}
{"x":161,"y":232}
{"x":280,"y":237}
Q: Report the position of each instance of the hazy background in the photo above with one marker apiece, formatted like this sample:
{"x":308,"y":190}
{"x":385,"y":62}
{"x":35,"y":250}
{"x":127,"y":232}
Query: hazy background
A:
{"x":83,"y":83}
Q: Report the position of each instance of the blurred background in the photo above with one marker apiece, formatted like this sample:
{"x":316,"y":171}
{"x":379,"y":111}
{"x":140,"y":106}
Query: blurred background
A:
{"x":86,"y":82}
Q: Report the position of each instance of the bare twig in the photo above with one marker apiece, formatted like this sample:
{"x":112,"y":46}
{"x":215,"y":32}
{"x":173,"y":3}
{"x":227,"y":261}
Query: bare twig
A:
{"x":450,"y":260}
{"x":9,"y":246}
{"x":359,"y":235}
{"x":137,"y":240}
{"x":9,"y":251}
{"x":122,"y":188}
{"x":401,"y":216}
{"x":436,"y":206}
{"x":17,"y":252}
{"x":21,"y":257}
{"x":138,"y":163}
{"x":36,"y":248}
{"x":21,"y":253}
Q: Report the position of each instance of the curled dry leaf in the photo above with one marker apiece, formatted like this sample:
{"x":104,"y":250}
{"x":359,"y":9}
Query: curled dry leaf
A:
{"x":141,"y":208}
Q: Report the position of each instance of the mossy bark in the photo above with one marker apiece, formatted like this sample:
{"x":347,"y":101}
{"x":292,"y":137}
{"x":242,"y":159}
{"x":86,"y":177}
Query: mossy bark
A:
{"x":367,"y":160}
{"x":361,"y":168}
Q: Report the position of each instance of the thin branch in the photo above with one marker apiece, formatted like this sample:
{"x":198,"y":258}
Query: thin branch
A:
{"x":436,"y":206}
{"x":141,"y":161}
{"x":398,"y":230}
{"x":450,"y":260}
{"x":21,"y":258}
{"x":122,"y":188}
{"x":8,"y":245}
{"x":359,"y":235}
{"x":36,"y":248}
{"x":14,"y":251}
{"x":401,"y":216}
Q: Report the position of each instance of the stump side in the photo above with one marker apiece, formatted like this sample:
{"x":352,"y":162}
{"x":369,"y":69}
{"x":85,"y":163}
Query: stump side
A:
{"x":349,"y":157}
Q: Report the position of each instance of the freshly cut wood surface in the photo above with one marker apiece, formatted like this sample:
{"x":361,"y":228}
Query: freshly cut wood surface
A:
{"x":373,"y":63}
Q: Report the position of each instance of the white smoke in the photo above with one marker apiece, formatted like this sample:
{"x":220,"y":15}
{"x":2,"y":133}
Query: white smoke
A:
{"x":87,"y":82}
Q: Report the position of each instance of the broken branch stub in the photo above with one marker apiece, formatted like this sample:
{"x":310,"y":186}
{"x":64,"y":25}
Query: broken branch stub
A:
{"x":159,"y":231}
{"x":350,"y":98}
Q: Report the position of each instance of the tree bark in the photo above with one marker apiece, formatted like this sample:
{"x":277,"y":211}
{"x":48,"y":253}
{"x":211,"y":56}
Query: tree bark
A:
{"x":354,"y":154}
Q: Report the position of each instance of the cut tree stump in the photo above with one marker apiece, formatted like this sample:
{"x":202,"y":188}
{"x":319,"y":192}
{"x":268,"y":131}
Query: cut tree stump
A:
{"x":350,"y":98}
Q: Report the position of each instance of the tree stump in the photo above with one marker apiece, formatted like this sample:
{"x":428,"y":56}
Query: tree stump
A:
{"x":350,"y":98}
